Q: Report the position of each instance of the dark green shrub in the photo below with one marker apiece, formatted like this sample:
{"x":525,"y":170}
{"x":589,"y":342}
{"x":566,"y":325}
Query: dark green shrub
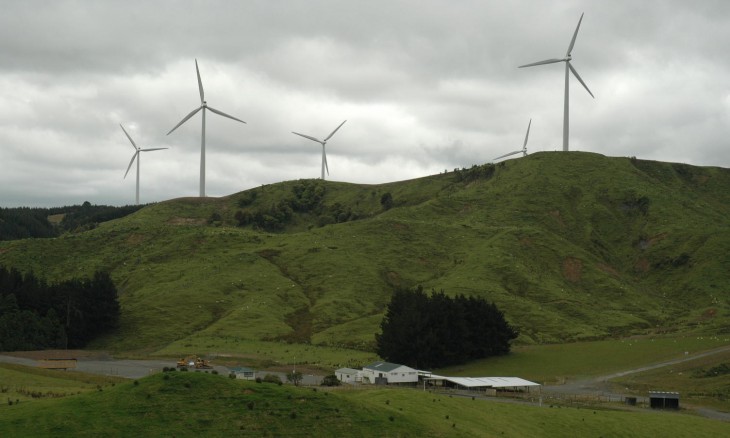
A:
{"x":331,"y":380}
{"x":272,"y":378}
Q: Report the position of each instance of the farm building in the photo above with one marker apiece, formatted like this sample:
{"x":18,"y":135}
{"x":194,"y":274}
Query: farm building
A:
{"x":490,"y":385}
{"x":384,"y":373}
{"x":663,"y":400}
{"x":244,"y":373}
{"x":348,"y":375}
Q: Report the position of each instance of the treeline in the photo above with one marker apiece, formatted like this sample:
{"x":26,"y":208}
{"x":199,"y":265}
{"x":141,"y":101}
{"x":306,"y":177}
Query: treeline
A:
{"x":484,"y":171}
{"x":25,"y":222}
{"x":431,"y":331}
{"x":306,"y":197}
{"x":35,"y":315}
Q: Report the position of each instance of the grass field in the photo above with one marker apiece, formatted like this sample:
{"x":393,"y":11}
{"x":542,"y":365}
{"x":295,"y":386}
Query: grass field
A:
{"x":197,"y":404}
{"x":20,"y":383}
{"x":550,"y":364}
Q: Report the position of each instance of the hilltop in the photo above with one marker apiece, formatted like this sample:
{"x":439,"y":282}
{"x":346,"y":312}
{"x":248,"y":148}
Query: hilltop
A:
{"x":571,"y":247}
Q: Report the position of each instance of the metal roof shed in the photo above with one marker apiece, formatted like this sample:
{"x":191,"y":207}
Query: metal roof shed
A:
{"x":485,"y":382}
{"x":663,"y":400}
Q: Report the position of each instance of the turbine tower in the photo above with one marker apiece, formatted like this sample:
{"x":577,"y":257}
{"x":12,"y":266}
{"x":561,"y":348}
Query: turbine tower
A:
{"x":524,"y":146}
{"x":137,"y":150}
{"x":568,"y":67}
{"x":323,"y":143}
{"x":203,"y":106}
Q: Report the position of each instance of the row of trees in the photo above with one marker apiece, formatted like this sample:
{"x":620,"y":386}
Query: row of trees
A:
{"x":35,"y":315}
{"x":422,"y":330}
{"x":25,"y":222}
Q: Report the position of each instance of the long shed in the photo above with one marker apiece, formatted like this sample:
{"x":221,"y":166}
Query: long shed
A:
{"x":482,"y":383}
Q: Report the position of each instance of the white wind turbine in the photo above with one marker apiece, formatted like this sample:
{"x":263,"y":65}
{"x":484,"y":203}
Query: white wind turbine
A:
{"x":323,"y":143}
{"x":203,"y":106}
{"x":137,"y":150}
{"x":568,"y":67}
{"x":524,"y":146}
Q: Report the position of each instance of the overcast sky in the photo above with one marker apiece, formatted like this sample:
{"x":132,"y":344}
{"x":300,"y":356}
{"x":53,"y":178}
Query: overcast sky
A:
{"x":424,"y":86}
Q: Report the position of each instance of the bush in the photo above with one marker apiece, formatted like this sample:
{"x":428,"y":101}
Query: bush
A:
{"x":272,"y":378}
{"x":331,"y":380}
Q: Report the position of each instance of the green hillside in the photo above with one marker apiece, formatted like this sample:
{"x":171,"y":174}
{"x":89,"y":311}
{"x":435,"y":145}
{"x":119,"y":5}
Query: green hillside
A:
{"x":571,"y":246}
{"x":197,"y":404}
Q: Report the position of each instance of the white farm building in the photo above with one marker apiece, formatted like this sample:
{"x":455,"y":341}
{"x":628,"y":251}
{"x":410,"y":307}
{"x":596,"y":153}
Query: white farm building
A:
{"x":348,"y":375}
{"x":387,"y":373}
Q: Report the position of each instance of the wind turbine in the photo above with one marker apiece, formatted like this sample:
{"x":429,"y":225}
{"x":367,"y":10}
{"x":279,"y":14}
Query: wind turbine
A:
{"x":323,"y":143}
{"x":203,"y":106}
{"x":568,"y":67}
{"x":137,"y":150}
{"x":524,"y":146}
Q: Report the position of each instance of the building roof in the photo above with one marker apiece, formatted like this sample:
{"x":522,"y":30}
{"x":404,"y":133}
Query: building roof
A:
{"x":384,"y":366}
{"x":242,"y":369}
{"x":491,"y":382}
{"x":664,"y":394}
{"x":347,"y":371}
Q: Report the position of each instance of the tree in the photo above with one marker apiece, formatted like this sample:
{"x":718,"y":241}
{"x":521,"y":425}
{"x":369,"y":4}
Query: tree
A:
{"x":434,"y":331}
{"x":294,"y":377}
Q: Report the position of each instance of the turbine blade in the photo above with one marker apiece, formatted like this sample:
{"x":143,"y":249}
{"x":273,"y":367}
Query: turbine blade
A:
{"x":200,"y":83}
{"x":577,"y":76}
{"x":130,"y":163}
{"x":221,"y":113}
{"x":524,"y":146}
{"x":152,"y":149}
{"x":575,"y":34}
{"x":130,"y":138}
{"x":325,"y":162}
{"x":507,"y":155}
{"x":192,"y":113}
{"x":547,"y":61}
{"x":333,"y":132}
{"x":307,"y":136}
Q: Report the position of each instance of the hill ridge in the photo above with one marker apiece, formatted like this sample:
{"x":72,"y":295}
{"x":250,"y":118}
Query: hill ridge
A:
{"x":571,"y":246}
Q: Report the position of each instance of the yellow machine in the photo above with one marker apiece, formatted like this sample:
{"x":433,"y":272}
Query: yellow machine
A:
{"x":193,"y":362}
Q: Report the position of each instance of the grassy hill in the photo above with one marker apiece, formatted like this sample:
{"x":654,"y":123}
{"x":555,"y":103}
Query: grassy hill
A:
{"x":197,"y":404}
{"x":571,"y":246}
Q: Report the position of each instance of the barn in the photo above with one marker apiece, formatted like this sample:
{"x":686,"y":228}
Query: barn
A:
{"x":386,"y":373}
